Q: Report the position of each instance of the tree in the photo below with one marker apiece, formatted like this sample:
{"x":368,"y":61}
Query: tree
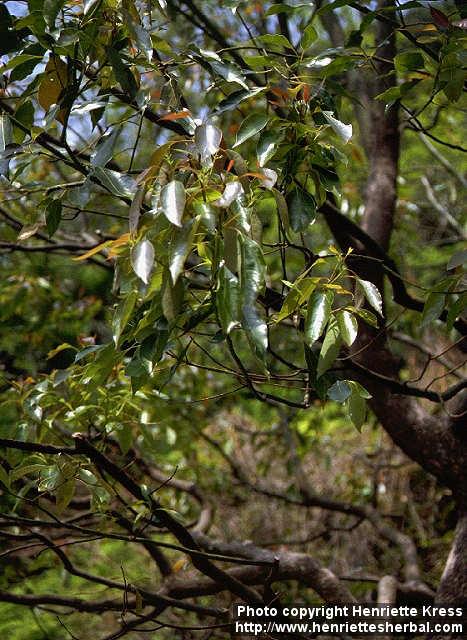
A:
{"x":265,"y":254}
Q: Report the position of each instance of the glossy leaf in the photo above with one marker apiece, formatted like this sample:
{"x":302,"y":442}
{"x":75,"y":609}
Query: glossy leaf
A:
{"x":173,"y":201}
{"x":252,"y":274}
{"x":252,"y":125}
{"x":308,"y":37}
{"x":227,"y":300}
{"x":330,"y":348}
{"x":180,"y":247}
{"x":357,"y":409}
{"x":232,"y":191}
{"x":344,"y":131}
{"x":142,"y":259}
{"x":348,"y":326}
{"x":302,"y":209}
{"x":267,"y":146}
{"x":318,"y":314}
{"x":372,"y":295}
{"x":340,"y":391}
{"x":208,"y":139}
{"x":120,"y":318}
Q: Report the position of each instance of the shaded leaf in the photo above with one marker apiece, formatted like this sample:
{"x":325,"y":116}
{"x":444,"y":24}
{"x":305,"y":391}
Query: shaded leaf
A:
{"x":330,"y":348}
{"x":227,"y":300}
{"x":433,"y":307}
{"x":357,"y":409}
{"x":252,"y":125}
{"x":53,"y":216}
{"x":252,"y":274}
{"x":119,"y":321}
{"x":302,"y":209}
{"x":340,"y":391}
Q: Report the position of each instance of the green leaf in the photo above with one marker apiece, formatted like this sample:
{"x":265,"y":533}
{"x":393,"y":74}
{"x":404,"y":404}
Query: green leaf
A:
{"x":120,"y":318}
{"x":302,"y":209}
{"x":252,"y":125}
{"x":180,"y":247}
{"x":275,"y":40}
{"x":252,"y":274}
{"x":348,"y":326}
{"x":227,"y":300}
{"x":330,"y":348}
{"x":282,"y":208}
{"x":356,"y":405}
{"x":372,"y":295}
{"x":51,"y":10}
{"x":172,"y":296}
{"x":53,"y":216}
{"x":367,"y":316}
{"x":432,"y":308}
{"x":308,"y":37}
{"x":64,"y":493}
{"x":408,"y":61}
{"x":340,"y":391}
{"x":235,"y":98}
{"x":119,"y":184}
{"x":106,"y":149}
{"x":290,"y":305}
{"x":173,"y":201}
{"x":318,"y":313}
{"x":4,"y":477}
{"x":123,"y":74}
{"x":142,"y":259}
{"x":229,"y":72}
{"x":458,"y":259}
{"x":455,"y":310}
{"x":267,"y":146}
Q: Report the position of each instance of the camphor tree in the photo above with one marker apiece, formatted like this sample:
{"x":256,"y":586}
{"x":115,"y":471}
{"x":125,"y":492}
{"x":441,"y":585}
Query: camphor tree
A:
{"x":225,"y":226}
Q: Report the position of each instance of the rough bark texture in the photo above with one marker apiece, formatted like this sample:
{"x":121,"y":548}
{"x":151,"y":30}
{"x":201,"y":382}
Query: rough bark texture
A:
{"x":436,"y":442}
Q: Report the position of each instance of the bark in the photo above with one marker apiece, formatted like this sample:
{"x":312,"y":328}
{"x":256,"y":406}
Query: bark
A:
{"x":436,"y":442}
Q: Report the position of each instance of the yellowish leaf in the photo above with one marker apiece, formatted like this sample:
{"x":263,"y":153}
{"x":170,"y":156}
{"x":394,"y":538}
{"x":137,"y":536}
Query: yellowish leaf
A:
{"x":92,"y":251}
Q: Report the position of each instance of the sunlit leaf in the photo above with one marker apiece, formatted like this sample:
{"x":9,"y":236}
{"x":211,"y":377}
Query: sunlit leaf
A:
{"x":267,"y":146}
{"x":344,"y":131}
{"x":318,"y":313}
{"x":142,"y":259}
{"x":348,"y":326}
{"x":372,"y":294}
{"x":207,"y":140}
{"x":232,"y":191}
{"x":173,"y":201}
